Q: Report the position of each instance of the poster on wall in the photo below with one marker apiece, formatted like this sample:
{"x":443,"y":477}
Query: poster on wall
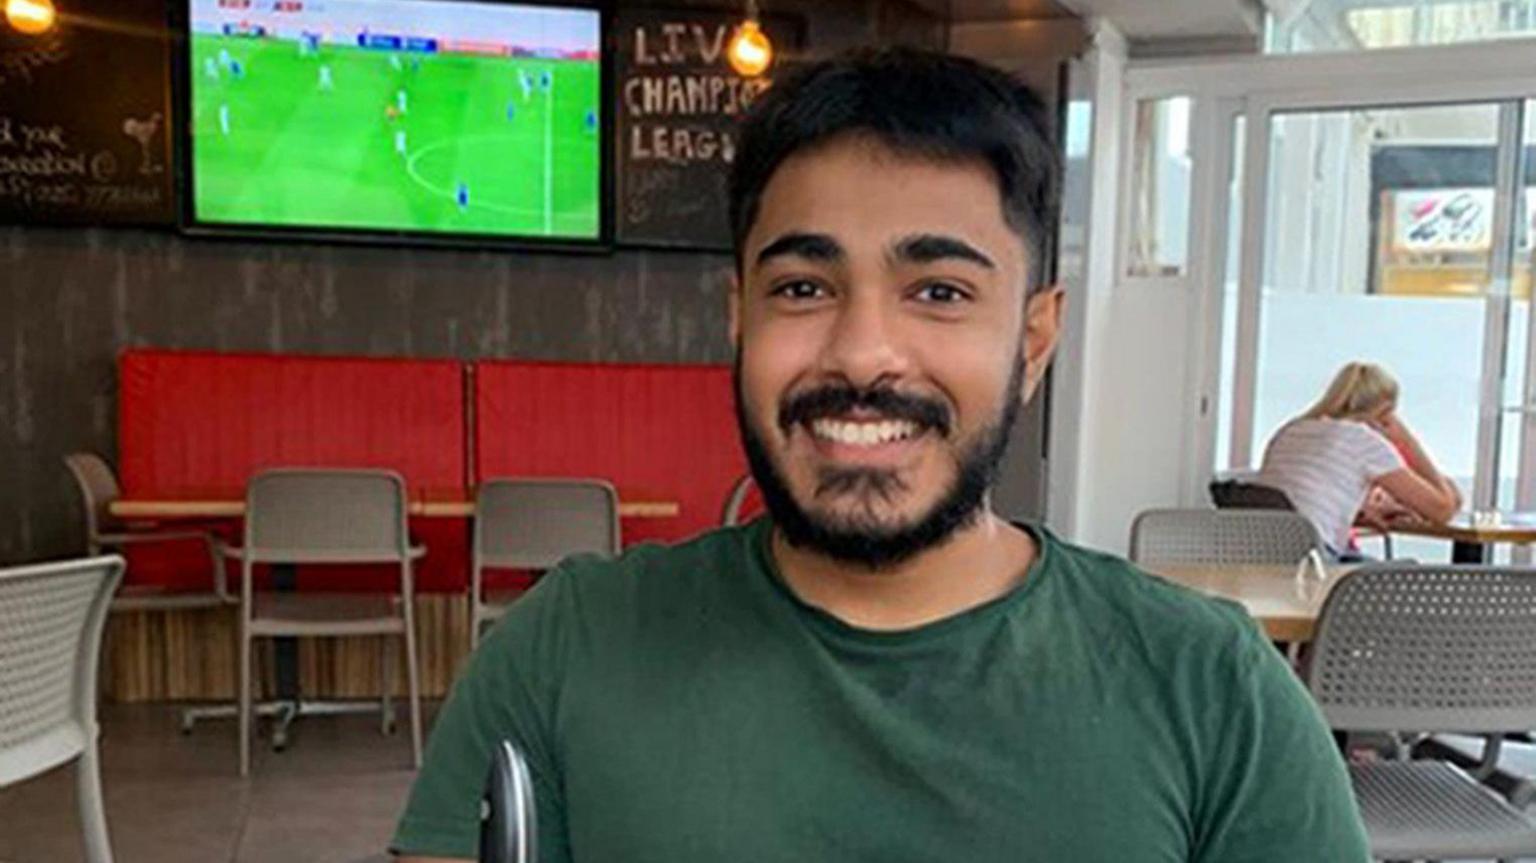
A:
{"x":679,"y":105}
{"x":85,"y":117}
{"x":1451,"y":220}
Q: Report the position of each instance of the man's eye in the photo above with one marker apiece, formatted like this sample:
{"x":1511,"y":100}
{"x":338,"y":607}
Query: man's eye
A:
{"x":942,"y":292}
{"x":799,"y":289}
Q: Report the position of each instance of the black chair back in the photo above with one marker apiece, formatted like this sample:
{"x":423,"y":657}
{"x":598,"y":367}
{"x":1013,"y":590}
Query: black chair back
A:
{"x":1241,"y":494}
{"x":507,"y":815}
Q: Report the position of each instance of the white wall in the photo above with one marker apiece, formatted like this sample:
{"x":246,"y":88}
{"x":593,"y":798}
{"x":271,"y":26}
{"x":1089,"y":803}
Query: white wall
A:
{"x":1118,"y":412}
{"x":1135,"y":437}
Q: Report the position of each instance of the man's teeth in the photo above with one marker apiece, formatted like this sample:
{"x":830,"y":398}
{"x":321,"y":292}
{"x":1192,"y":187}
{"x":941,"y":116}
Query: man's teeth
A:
{"x":863,"y":433}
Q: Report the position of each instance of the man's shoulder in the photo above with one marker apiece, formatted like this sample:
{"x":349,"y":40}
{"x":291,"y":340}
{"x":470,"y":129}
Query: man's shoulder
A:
{"x":706,"y":555}
{"x":1125,"y":601}
{"x":645,"y":575}
{"x":591,"y":603}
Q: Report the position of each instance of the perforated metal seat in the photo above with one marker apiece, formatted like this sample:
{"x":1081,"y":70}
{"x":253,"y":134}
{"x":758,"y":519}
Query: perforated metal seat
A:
{"x":51,"y":619}
{"x":1221,"y":536}
{"x":1417,"y":809}
{"x":534,"y":524}
{"x":1431,"y":649}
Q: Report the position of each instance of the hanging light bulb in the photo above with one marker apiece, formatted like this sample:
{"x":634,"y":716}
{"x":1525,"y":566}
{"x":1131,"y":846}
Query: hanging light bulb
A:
{"x":749,"y":51}
{"x":30,"y":16}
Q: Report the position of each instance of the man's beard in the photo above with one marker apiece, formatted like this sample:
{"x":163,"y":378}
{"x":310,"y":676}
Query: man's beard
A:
{"x":864,"y":540}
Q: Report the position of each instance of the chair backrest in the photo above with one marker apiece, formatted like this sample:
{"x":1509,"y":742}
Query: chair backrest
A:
{"x":1428,"y":648}
{"x":730,"y":514}
{"x":534,"y":523}
{"x":509,"y":813}
{"x":98,"y":489}
{"x":1221,"y":536}
{"x":51,"y":618}
{"x":1242,"y":494}
{"x":307,"y":515}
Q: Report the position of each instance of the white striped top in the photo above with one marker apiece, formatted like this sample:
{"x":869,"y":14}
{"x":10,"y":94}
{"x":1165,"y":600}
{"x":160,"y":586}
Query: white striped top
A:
{"x":1326,"y":467}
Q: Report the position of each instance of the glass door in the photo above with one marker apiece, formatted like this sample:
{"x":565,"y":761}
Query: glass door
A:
{"x":1382,"y":234}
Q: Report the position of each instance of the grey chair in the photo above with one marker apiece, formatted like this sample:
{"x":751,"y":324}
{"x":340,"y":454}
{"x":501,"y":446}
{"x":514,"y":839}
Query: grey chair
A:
{"x":51,"y":620}
{"x":1215,"y":537}
{"x":310,"y":516}
{"x":98,"y":489}
{"x":533,"y":524}
{"x":730,"y":514}
{"x":1431,"y":649}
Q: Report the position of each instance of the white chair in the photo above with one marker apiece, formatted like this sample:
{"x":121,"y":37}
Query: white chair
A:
{"x":316,"y":516}
{"x":51,"y":619}
{"x":533,"y":524}
{"x":98,"y":489}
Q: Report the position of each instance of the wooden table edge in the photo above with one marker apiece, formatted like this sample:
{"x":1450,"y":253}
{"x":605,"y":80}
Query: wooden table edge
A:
{"x":1288,"y":628}
{"x":147,"y":508}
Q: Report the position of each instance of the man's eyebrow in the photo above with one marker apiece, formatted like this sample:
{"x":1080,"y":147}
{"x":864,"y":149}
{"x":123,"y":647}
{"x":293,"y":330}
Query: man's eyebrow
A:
{"x":927,"y":248}
{"x":816,"y":247}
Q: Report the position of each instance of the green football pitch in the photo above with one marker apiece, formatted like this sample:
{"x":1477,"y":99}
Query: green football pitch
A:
{"x":326,"y":138}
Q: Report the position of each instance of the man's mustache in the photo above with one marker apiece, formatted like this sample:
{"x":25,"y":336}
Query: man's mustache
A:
{"x":836,"y":400}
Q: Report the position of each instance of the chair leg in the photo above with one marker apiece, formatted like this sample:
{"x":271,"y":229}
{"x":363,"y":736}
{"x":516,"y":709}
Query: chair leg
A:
{"x":245,"y":705}
{"x":387,"y":674}
{"x":93,"y":815}
{"x":1293,"y":654}
{"x":413,"y":686}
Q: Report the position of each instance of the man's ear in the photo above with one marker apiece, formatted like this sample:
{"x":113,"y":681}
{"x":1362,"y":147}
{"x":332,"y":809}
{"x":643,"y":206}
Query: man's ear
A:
{"x":1042,"y":329}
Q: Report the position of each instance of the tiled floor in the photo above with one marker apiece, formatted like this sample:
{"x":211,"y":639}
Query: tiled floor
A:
{"x":332,"y":797}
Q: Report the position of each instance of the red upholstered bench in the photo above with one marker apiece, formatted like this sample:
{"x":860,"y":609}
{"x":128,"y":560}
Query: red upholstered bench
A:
{"x":198,"y":424}
{"x":657,"y":432}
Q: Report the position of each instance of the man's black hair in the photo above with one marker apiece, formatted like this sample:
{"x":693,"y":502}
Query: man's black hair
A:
{"x":915,"y":102}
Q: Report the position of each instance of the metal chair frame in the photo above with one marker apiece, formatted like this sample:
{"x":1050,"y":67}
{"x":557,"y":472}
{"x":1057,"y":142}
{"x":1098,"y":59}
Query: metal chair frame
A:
{"x":1422,"y":650}
{"x":492,"y":525}
{"x":319,"y":615}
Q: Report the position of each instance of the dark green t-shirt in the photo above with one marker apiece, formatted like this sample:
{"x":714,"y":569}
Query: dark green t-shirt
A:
{"x":681,"y":705}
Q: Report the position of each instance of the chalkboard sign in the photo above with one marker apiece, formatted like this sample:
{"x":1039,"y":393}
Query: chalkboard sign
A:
{"x":679,"y":104}
{"x":85,"y":117}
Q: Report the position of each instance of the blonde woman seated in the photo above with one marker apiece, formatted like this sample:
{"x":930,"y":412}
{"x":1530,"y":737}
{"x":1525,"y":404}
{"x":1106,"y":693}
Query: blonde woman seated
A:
{"x":1352,"y":445}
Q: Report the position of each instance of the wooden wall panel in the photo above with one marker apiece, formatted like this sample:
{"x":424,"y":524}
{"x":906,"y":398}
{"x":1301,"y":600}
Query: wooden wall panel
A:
{"x":191,"y":655}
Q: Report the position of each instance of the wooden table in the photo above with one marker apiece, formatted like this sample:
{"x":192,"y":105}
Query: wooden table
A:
{"x":1287,"y":607}
{"x":455,"y":504}
{"x":1472,"y":533}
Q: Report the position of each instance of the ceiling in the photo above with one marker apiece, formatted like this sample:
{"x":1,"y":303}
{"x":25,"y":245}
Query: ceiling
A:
{"x":1139,"y":20}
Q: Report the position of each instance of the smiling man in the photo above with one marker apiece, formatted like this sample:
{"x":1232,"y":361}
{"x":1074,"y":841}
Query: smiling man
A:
{"x":883,"y":669}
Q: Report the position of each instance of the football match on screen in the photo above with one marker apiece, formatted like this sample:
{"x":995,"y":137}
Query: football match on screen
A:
{"x":397,"y":115}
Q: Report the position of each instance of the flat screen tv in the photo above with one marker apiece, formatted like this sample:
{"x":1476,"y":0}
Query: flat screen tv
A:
{"x":396,"y":116}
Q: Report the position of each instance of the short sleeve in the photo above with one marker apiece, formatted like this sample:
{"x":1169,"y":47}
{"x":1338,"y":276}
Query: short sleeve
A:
{"x":1373,"y":452}
{"x":1278,"y":790}
{"x":504,"y":693}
